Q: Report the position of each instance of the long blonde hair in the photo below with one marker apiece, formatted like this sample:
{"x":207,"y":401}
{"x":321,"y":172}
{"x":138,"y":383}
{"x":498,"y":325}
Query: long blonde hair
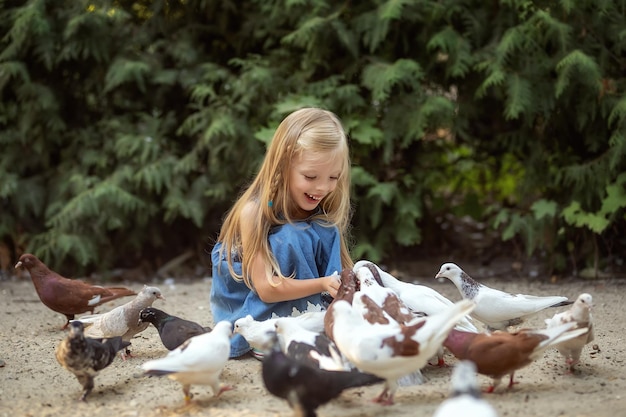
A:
{"x":310,"y":130}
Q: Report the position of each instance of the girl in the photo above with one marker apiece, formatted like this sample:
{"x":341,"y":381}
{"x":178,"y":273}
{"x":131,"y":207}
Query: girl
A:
{"x":284,"y":240}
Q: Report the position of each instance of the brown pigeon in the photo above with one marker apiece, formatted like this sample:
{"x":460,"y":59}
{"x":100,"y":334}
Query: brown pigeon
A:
{"x":67,"y":296}
{"x":500,"y":353}
{"x":85,"y":357}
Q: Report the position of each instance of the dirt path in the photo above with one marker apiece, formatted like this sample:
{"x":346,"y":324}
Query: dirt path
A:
{"x":32,"y":383}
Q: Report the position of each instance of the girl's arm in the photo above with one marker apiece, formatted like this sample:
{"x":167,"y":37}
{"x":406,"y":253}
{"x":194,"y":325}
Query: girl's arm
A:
{"x":287,"y":288}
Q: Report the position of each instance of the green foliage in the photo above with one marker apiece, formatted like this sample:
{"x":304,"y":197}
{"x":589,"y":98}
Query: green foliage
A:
{"x":128,"y":127}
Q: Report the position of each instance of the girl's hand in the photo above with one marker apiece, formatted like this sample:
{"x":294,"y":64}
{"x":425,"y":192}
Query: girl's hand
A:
{"x":332,"y":283}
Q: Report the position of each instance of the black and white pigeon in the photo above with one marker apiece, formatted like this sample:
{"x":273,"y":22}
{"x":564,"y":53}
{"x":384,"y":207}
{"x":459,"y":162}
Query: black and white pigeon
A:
{"x":465,"y":396}
{"x":580,"y":313}
{"x":309,"y":347}
{"x":86,"y":357}
{"x":173,"y":330}
{"x":198,"y":361}
{"x":389,"y":349}
{"x":122,"y":320}
{"x":497,"y":309}
{"x":304,"y":387}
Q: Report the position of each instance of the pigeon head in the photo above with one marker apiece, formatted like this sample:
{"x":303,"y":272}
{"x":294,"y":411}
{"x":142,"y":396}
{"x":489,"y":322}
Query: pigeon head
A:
{"x":223,"y":327}
{"x":27,"y":260}
{"x":151,"y":293}
{"x":349,"y":285}
{"x":243,"y":323}
{"x":584,"y":301}
{"x":76,"y":328}
{"x":368,"y":275}
{"x":151,"y":315}
{"x":464,"y":379}
{"x":450,"y":271}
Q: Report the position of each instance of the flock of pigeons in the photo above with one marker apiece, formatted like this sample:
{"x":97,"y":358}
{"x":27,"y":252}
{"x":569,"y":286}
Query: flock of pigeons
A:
{"x":378,"y":330}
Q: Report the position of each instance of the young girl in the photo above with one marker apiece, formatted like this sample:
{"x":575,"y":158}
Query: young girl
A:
{"x":284,"y":240}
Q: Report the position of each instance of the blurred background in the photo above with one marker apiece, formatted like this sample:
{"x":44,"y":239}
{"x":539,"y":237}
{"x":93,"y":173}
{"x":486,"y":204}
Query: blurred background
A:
{"x":491,"y":132}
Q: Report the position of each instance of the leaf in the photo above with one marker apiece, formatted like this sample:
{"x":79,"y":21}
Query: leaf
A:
{"x":126,"y":71}
{"x":544,"y":208}
{"x":575,"y":215}
{"x":580,"y":66}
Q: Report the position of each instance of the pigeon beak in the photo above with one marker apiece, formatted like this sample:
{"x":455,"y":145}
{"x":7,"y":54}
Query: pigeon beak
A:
{"x":17,"y":265}
{"x":161,"y":297}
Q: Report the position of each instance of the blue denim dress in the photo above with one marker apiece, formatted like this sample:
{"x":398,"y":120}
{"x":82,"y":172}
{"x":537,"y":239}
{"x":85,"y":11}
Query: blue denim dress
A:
{"x":306,"y":249}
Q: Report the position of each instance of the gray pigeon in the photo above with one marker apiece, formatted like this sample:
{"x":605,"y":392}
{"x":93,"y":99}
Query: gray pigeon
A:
{"x":85,"y":357}
{"x":173,"y":330}
{"x":122,"y":320}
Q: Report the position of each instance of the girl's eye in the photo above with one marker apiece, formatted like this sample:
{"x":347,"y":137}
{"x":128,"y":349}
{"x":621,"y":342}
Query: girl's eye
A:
{"x":334,"y":178}
{"x":309,"y":178}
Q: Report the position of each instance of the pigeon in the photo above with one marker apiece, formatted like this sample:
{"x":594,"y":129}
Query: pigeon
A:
{"x":308,"y":347}
{"x":305,"y":387}
{"x":391,"y":350}
{"x":173,"y":330}
{"x":500,"y":353}
{"x":256,"y":331}
{"x":67,"y":296}
{"x":465,"y":397}
{"x":580,"y":313}
{"x":122,"y":320}
{"x":497,"y":309}
{"x":85,"y":357}
{"x":198,"y":361}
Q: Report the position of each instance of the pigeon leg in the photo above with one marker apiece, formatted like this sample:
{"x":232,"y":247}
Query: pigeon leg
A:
{"x":187,"y":392}
{"x":223,"y":388}
{"x":67,"y":323}
{"x":571,"y":362}
{"x":511,"y":382}
{"x":494,"y":383}
{"x":385,"y":397}
{"x":87,"y":382}
{"x":125,"y":354}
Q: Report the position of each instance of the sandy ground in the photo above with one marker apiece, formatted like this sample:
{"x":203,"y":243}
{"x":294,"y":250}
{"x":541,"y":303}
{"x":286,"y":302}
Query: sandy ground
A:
{"x":32,"y":383}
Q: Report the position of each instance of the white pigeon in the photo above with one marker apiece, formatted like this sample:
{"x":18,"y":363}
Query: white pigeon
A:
{"x":198,"y":361}
{"x":310,"y":347}
{"x":465,"y":395}
{"x":391,"y":351}
{"x":122,"y":320}
{"x":256,"y":331}
{"x":580,"y":313}
{"x":497,"y":309}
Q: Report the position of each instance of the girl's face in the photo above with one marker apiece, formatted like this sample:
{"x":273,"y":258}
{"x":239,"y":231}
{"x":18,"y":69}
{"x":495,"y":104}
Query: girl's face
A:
{"x":313,"y":176}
